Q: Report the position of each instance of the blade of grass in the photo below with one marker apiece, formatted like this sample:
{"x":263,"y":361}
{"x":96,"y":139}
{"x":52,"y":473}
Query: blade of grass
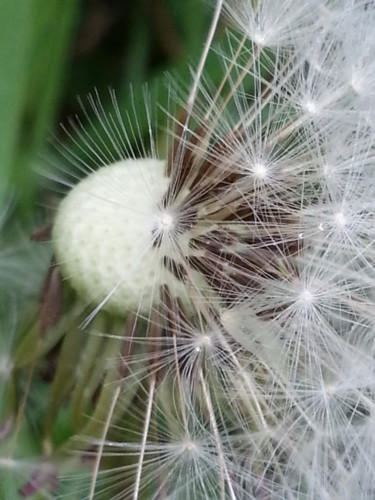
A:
{"x":16,"y":36}
{"x":33,"y":52}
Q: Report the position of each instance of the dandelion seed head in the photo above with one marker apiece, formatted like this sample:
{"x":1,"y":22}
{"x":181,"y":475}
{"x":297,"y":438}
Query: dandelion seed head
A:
{"x":203,"y":341}
{"x":189,"y":446}
{"x":357,"y":83}
{"x":105,"y":230}
{"x":260,"y":171}
{"x":165,"y":221}
{"x":306,"y":296}
{"x":330,"y":389}
{"x":311,"y":107}
{"x":340,"y":219}
{"x":260,"y":38}
{"x":262,"y":214}
{"x":270,"y":24}
{"x":328,"y":170}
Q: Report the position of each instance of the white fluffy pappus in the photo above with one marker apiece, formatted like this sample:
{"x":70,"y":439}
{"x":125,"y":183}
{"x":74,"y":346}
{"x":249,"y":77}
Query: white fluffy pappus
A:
{"x":248,"y":248}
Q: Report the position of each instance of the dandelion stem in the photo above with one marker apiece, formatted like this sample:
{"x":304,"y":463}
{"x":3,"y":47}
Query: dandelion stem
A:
{"x":129,"y":333}
{"x":224,"y":80}
{"x":215,"y":430}
{"x":144,"y":436}
{"x":202,"y":62}
{"x":22,"y":406}
{"x":181,"y":396}
{"x":99,"y":454}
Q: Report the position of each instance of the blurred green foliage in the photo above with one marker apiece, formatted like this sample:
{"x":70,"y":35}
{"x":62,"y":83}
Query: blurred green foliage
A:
{"x":35,"y":39}
{"x":52,"y":52}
